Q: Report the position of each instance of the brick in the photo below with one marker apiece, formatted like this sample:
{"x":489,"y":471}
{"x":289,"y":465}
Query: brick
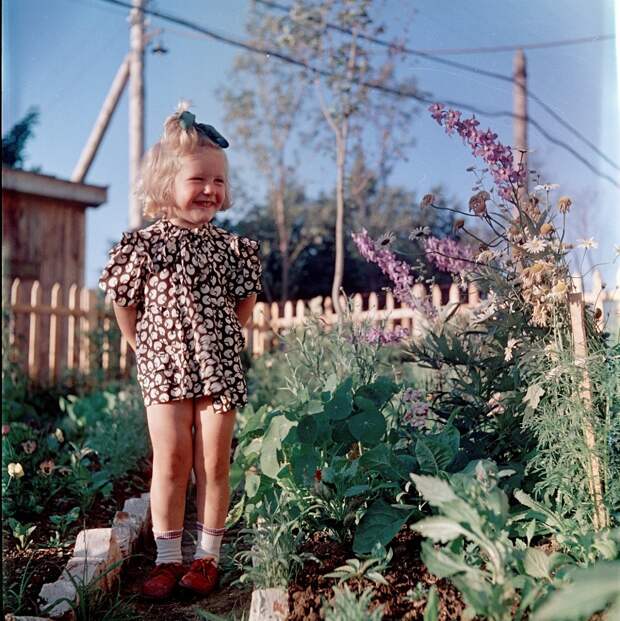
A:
{"x":97,"y":544}
{"x":269,"y":605}
{"x":53,"y":591}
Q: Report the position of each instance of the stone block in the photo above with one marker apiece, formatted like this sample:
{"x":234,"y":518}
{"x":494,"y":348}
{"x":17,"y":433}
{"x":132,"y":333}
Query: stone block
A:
{"x":52,"y":592}
{"x":269,"y":605}
{"x":139,"y":508}
{"x":97,"y":544}
{"x":11,"y":617}
{"x":126,"y":528}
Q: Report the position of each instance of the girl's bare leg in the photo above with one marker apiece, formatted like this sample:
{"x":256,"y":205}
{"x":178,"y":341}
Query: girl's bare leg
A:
{"x":212,"y":442}
{"x":170,"y":428}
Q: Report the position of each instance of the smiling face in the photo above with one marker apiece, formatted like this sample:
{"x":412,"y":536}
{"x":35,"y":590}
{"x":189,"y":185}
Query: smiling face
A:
{"x":199,"y":187}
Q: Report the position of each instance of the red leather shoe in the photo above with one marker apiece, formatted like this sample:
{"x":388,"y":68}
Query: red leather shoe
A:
{"x":161,"y":581}
{"x":202,"y":576}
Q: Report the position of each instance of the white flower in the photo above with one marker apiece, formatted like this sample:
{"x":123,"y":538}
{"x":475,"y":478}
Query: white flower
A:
{"x":509,"y":347}
{"x":587,"y":243}
{"x":535,"y":245}
{"x":15,"y":470}
{"x":420,"y":231}
{"x":60,"y":436}
{"x":486,"y":256}
{"x":385,"y":240}
{"x":546,"y":187}
{"x":559,"y":290}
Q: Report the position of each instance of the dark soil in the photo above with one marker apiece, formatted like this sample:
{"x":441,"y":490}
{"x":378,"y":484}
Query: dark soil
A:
{"x":310,"y":590}
{"x":41,"y":562}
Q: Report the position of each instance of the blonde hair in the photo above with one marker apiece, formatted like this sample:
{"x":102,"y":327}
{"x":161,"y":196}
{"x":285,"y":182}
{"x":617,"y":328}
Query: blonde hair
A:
{"x":155,"y":188}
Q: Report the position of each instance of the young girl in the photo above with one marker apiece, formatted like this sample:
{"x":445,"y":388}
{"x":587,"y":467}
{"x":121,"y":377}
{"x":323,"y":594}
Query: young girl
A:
{"x":182,"y":288}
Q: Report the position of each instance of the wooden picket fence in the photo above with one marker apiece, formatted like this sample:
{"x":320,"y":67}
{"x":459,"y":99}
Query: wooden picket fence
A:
{"x":58,"y":335}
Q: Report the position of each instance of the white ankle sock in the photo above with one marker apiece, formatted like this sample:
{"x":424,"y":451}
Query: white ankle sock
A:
{"x":208,"y":542}
{"x":168,"y":544}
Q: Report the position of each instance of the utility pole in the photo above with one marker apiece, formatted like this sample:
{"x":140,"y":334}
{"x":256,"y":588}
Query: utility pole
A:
{"x":520,"y":118}
{"x":101,"y":124}
{"x":136,"y":107}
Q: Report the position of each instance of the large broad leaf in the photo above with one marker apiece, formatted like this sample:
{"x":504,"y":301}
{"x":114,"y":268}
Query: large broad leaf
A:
{"x":443,"y":563}
{"x":252,"y":483}
{"x":279,"y":428}
{"x":379,"y":392}
{"x":431,"y":612}
{"x":381,"y":460}
{"x":379,"y":524}
{"x":439,"y":528}
{"x":304,"y":464}
{"x":434,"y":490}
{"x":307,"y":430}
{"x":537,"y":564}
{"x":436,"y":452}
{"x":368,"y":427}
{"x":592,"y":590}
{"x":341,"y":404}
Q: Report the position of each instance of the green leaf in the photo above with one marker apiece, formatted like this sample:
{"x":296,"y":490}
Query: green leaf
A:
{"x":304,"y":463}
{"x":368,"y":427}
{"x":443,"y":563}
{"x":436,"y":452}
{"x":307,"y":430}
{"x":279,"y":427}
{"x":434,"y":490}
{"x":537,"y":564}
{"x":592,"y":590}
{"x":378,"y":392}
{"x":314,"y":406}
{"x":252,"y":483}
{"x":380,"y":459}
{"x":431,"y":612}
{"x":356,"y":490}
{"x":380,"y":524}
{"x":439,"y":528}
{"x":341,"y":404}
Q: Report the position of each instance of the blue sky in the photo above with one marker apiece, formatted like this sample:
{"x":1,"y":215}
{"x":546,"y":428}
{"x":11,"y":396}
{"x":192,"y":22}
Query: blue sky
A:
{"x":61,"y":55}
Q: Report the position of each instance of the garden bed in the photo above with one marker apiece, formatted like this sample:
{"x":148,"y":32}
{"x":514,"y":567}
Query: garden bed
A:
{"x":40,"y":562}
{"x":404,"y":597}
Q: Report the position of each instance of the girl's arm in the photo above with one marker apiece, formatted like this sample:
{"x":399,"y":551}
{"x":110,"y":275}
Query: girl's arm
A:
{"x":126,"y":317}
{"x":244,"y":309}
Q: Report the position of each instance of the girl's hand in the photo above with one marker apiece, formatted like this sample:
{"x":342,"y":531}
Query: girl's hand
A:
{"x":244,"y":309}
{"x":126,"y":317}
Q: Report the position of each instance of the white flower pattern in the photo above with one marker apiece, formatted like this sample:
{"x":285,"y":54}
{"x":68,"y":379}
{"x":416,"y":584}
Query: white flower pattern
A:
{"x":185,"y":284}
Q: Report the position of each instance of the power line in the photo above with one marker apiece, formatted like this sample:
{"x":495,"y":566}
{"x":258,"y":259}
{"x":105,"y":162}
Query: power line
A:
{"x":371,"y":85}
{"x":449,"y":51}
{"x":426,"y":55}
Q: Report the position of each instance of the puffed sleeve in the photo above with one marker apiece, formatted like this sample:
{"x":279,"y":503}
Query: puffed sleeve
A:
{"x":247,"y":273}
{"x":125,"y":273}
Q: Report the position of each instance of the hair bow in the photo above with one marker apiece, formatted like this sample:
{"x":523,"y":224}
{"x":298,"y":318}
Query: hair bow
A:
{"x":187,"y":120}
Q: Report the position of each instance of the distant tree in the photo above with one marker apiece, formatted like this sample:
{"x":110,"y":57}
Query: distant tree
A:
{"x":262,"y":102}
{"x":14,"y":142}
{"x":349,"y":109}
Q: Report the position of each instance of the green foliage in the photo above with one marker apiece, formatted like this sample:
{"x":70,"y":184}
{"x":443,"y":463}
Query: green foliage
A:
{"x":492,"y":569}
{"x":272,"y":559}
{"x":21,"y":532}
{"x":346,"y":605}
{"x":14,"y":142}
{"x":15,"y":594}
{"x":371,"y":568}
{"x":558,"y":416}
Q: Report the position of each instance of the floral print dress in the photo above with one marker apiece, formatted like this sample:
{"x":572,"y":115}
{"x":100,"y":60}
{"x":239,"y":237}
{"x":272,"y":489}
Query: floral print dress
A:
{"x":185,"y":284}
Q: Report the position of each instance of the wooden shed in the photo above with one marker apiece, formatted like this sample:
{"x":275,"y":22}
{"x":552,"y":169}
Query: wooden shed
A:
{"x":44,"y":226}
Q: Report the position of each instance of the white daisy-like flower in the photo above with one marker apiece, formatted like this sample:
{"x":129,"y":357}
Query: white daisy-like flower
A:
{"x":559,"y":290}
{"x":588,"y":244}
{"x":535,"y":245}
{"x":486,"y":256}
{"x":510,"y":345}
{"x":385,"y":240}
{"x":420,"y":231}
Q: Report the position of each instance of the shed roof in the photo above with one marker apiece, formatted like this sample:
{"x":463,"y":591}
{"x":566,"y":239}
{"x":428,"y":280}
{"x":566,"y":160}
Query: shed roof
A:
{"x":27,"y":182}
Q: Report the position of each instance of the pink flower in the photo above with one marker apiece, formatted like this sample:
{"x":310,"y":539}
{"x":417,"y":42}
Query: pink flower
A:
{"x":485,"y":145}
{"x":447,"y":254}
{"x":6,"y":429}
{"x":376,"y":336}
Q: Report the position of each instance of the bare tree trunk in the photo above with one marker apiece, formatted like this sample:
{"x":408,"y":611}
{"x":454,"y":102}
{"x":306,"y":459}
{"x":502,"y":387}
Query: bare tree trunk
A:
{"x":339,"y":234}
{"x":283,"y":234}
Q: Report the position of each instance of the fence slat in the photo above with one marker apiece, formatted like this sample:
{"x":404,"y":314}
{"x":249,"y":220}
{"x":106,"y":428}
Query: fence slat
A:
{"x":53,"y":363}
{"x":71,"y":327}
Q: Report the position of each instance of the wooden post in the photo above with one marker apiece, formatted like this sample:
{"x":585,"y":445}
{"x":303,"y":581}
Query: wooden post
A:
{"x":72,"y":323}
{"x":101,"y":124}
{"x":600,"y":518}
{"x":520,"y":118}
{"x":136,"y":108}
